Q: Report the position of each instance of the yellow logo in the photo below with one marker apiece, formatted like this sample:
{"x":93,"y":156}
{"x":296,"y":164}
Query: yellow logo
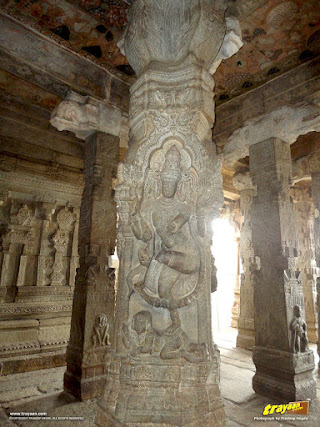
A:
{"x":301,"y":408}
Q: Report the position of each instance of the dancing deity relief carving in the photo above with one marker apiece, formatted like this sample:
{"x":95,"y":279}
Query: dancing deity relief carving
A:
{"x":166,"y":229}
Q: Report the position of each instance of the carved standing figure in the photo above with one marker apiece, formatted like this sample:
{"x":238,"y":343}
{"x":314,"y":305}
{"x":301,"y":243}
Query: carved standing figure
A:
{"x":299,"y":336}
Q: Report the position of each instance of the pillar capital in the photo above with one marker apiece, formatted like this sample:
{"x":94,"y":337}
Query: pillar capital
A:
{"x":169,"y":189}
{"x":242,"y":181}
{"x":85,"y":115}
{"x":194,"y":33}
{"x":300,"y":169}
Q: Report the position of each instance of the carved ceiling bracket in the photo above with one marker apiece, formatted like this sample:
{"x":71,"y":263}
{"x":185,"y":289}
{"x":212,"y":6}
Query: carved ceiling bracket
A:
{"x":85,"y":115}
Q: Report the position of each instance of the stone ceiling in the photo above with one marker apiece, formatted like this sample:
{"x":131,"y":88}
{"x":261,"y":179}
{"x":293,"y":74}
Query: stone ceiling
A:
{"x":278,"y":35}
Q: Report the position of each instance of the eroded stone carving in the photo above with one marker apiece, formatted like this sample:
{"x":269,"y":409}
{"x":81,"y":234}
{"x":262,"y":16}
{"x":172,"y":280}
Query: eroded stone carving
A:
{"x":100,"y":336}
{"x":84,"y":115}
{"x":299,"y":336}
{"x":169,"y":190}
{"x":27,"y":284}
{"x":314,"y":163}
{"x":286,"y":123}
{"x":300,"y":170}
{"x":231,"y":44}
{"x":306,"y":262}
{"x":166,"y":32}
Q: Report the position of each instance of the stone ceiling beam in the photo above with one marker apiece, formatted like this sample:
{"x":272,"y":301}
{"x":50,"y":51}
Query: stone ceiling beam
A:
{"x":286,"y":123}
{"x":35,"y":58}
{"x":301,"y":84}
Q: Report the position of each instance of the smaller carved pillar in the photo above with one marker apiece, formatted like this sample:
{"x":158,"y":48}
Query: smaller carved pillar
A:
{"x":93,"y":304}
{"x":314,"y":163}
{"x":246,"y":339}
{"x":283,"y":361}
{"x":306,"y":256}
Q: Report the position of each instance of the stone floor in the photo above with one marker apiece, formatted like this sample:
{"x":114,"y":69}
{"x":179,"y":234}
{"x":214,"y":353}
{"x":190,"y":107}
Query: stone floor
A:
{"x":41,"y":391}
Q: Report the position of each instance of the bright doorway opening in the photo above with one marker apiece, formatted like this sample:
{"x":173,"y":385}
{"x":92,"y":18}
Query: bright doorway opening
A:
{"x":225,"y":251}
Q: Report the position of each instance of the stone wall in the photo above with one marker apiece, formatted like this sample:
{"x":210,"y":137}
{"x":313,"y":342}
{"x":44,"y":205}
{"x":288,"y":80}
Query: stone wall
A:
{"x":41,"y":183}
{"x":39,"y":215}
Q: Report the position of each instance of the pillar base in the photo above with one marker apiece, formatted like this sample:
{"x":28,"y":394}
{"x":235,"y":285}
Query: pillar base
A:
{"x":88,"y":381}
{"x":284,"y":376}
{"x":246,"y":339}
{"x":146,"y":392}
{"x":84,"y":388}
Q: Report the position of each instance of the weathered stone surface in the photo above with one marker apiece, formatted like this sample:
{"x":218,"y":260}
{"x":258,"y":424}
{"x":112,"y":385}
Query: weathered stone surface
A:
{"x":281,"y":354}
{"x":37,"y":261}
{"x":314,"y":164}
{"x":84,"y":115}
{"x":164,"y":370}
{"x":298,"y":85}
{"x":119,"y":94}
{"x":286,"y":123}
{"x":58,"y":67}
{"x":242,"y":182}
{"x":93,"y":304}
{"x":306,"y":262}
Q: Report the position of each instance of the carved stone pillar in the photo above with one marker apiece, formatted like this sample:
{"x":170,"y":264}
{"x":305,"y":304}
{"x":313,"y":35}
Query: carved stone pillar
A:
{"x":246,"y":337}
{"x":93,"y":301}
{"x":306,"y":262}
{"x":314,"y":163}
{"x":164,"y":369}
{"x":284,"y":363}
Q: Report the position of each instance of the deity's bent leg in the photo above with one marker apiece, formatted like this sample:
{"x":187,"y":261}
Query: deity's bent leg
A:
{"x":183,"y":262}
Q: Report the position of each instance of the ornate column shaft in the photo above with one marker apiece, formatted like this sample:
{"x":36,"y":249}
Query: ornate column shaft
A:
{"x":314,"y":163}
{"x":164,"y":370}
{"x":94,"y":293}
{"x":246,"y":338}
{"x":281,"y":354}
{"x":306,"y":262}
{"x":93,"y":301}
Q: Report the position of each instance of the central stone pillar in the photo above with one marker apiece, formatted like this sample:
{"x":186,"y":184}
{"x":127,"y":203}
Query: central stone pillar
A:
{"x":164,"y":369}
{"x":284,"y":363}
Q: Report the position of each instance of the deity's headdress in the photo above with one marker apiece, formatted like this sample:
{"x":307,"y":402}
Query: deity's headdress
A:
{"x":171,"y":168}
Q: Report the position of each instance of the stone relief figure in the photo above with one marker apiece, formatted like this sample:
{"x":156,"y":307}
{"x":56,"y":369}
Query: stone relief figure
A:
{"x":174,"y":256}
{"x":178,"y":344}
{"x":100,"y":336}
{"x":299,"y":336}
{"x":165,"y":226}
{"x":139,"y":336}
